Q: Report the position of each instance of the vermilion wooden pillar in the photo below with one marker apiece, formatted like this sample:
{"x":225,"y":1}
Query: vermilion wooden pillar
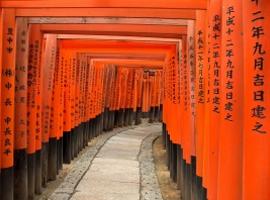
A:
{"x":256,"y":160}
{"x":8,"y":49}
{"x":215,"y":95}
{"x":48,"y":66}
{"x":34,"y":113}
{"x":231,"y":121}
{"x":20,"y":156}
{"x":200,"y":91}
{"x":205,"y":149}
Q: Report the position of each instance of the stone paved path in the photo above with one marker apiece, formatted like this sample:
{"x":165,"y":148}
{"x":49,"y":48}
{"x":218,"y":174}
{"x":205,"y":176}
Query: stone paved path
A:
{"x":123,"y":168}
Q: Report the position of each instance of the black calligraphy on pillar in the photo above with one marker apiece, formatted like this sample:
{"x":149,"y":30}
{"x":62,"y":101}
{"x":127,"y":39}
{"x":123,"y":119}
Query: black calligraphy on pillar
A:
{"x":209,"y":59}
{"x":173,"y":80}
{"x":192,"y":74}
{"x":185,"y":80}
{"x":229,"y":54}
{"x":257,"y":33}
{"x":10,"y":39}
{"x":200,"y":61}
{"x":8,"y":76}
{"x":178,"y":79}
{"x":216,"y":36}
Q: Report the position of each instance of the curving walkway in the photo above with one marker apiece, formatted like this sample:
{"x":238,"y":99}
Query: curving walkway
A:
{"x":121,"y":169}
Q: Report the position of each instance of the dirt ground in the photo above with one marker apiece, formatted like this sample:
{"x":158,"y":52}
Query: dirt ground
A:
{"x":168,"y":188}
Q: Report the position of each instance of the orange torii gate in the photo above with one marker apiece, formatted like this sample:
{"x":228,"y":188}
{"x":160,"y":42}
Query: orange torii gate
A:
{"x":37,"y":38}
{"x":72,"y":44}
{"x":204,"y":132}
{"x":35,"y":181}
{"x":143,"y":65}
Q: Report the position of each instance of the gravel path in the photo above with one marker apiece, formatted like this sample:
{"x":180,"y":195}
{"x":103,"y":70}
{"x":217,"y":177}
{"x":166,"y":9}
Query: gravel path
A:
{"x":119,"y":167}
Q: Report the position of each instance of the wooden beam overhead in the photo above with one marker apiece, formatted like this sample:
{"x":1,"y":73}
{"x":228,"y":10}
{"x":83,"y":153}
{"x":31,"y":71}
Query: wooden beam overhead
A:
{"x":172,"y":4}
{"x":109,"y":55}
{"x":115,"y":45}
{"x":129,"y":62}
{"x":108,"y":12}
{"x":120,"y":38}
{"x":106,"y":20}
{"x":116,"y":29}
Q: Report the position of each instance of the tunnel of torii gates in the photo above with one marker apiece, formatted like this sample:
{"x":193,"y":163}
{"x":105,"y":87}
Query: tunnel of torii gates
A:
{"x":73,"y":69}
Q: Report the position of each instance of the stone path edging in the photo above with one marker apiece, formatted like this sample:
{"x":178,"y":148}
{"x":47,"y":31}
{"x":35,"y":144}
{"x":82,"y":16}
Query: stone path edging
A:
{"x":150,"y":189}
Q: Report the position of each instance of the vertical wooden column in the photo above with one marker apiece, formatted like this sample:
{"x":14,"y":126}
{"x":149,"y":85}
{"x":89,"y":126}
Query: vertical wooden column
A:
{"x":231,"y":121}
{"x":48,"y":68}
{"x":205,"y":149}
{"x":31,"y":115}
{"x":256,"y":163}
{"x":139,"y":97}
{"x":65,"y":57}
{"x":188,"y":121}
{"x":72,"y":100}
{"x":8,"y":49}
{"x":34,"y":112}
{"x":1,"y":50}
{"x":175,"y":106}
{"x":20,"y":155}
{"x":184,"y":97}
{"x":62,"y":64}
{"x":215,"y":90}
{"x":38,"y":36}
{"x":200,"y":92}
{"x":192,"y":75}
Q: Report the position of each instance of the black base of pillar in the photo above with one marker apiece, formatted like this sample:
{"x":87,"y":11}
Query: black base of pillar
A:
{"x":67,"y":147}
{"x":151,"y":115}
{"x":44,"y":163}
{"x":131,"y":116}
{"x":101,"y":123}
{"x":60,"y":147}
{"x":20,"y":175}
{"x":95,"y":127}
{"x":73,"y":143}
{"x":174,"y":162}
{"x":164,"y":135}
{"x":182,"y":172}
{"x":85,"y":135}
{"x":145,"y":114}
{"x":38,"y":173}
{"x":199,"y":189}
{"x":91,"y":129}
{"x":157,"y":114}
{"x":116,"y":118}
{"x":168,"y":149}
{"x":138,"y":116}
{"x":187,"y":180}
{"x":126,"y":117}
{"x":122,"y":117}
{"x":31,"y":175}
{"x":193,"y":178}
{"x":52,"y":159}
{"x":204,"y":193}
{"x":7,"y":182}
{"x":106,"y":119}
{"x":111,"y":120}
{"x":178,"y":160}
{"x":76,"y":141}
{"x":161,"y":113}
